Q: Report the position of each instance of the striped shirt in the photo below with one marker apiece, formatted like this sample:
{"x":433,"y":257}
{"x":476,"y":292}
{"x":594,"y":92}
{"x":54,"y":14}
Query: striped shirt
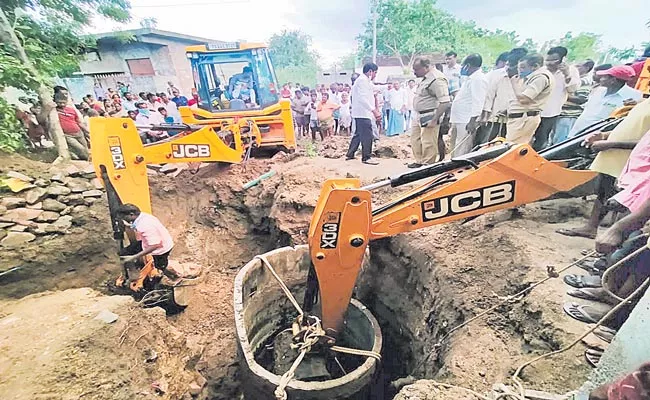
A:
{"x":573,"y":110}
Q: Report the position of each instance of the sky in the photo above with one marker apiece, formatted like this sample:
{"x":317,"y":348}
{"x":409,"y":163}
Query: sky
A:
{"x":334,"y":24}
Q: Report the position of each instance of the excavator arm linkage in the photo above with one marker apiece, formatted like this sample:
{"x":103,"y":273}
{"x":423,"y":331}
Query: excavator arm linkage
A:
{"x":497,"y":177}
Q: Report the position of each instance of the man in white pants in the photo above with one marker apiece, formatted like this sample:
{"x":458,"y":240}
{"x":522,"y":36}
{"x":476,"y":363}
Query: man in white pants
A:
{"x":468,"y":105}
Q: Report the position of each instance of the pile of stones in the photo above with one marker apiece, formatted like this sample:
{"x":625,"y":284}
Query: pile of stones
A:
{"x":46,"y":205}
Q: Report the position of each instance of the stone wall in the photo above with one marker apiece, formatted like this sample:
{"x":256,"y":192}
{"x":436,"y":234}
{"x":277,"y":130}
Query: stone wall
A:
{"x":34,"y":207}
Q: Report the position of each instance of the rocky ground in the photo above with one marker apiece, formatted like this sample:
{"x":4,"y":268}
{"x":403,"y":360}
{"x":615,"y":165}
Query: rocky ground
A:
{"x":59,"y":332}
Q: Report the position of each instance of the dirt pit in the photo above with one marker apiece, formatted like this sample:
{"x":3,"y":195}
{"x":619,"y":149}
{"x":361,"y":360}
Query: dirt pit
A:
{"x":418,"y":285}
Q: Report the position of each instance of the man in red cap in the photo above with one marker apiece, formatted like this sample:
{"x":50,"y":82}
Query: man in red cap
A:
{"x":612,"y":93}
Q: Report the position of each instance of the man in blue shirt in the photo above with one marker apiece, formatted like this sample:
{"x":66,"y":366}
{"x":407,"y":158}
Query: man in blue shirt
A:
{"x":612,"y":93}
{"x":179,"y":100}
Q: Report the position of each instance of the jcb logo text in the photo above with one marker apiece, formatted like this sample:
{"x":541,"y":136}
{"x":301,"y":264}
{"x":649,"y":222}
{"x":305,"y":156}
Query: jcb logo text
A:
{"x":460,"y":203}
{"x":190,"y":150}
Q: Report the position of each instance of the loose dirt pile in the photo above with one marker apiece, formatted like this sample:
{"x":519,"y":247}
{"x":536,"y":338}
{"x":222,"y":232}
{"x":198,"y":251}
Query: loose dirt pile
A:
{"x":419,"y":285}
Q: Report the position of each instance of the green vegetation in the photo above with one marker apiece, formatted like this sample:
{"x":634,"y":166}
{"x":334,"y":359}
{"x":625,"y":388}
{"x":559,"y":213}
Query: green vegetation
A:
{"x":407,"y":28}
{"x":293,"y":58}
{"x":41,"y":39}
{"x":12,"y":133}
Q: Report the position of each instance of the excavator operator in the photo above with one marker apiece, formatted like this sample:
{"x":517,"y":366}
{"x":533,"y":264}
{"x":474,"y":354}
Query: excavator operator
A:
{"x":151,"y":238}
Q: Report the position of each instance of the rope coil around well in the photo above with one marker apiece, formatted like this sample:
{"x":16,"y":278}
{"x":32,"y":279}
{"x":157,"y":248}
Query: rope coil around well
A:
{"x":312,"y":332}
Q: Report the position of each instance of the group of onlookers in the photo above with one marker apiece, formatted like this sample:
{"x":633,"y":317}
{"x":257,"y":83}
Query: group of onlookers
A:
{"x":322,"y":110}
{"x":147,"y":109}
{"x":526,"y":98}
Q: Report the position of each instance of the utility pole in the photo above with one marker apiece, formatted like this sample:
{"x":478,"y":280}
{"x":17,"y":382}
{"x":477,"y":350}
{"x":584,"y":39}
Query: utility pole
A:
{"x":373,"y":5}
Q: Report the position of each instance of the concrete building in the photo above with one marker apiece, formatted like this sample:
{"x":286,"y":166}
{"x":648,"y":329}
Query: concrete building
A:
{"x":144,"y":58}
{"x":390,"y":68}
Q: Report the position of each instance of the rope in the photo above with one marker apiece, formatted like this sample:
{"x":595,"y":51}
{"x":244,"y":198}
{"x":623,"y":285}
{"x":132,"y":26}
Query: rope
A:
{"x":613,"y":311}
{"x":508,"y":299}
{"x":312,"y":332}
{"x":280,"y":392}
{"x":355,"y":352}
{"x":284,"y":287}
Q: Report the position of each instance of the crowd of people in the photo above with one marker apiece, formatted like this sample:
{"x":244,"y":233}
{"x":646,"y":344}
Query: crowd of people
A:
{"x":525,"y":98}
{"x":146,"y":109}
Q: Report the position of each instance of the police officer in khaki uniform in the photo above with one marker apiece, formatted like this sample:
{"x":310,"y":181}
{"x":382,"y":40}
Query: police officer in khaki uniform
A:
{"x":532,"y":88}
{"x":430,"y":103}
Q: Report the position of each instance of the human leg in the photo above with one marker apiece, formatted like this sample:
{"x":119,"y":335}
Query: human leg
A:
{"x":416,"y":142}
{"x":76,"y":145}
{"x":430,"y":143}
{"x":355,"y":141}
{"x":364,"y":129}
{"x":605,"y":188}
{"x":463,"y":141}
{"x":562,"y":129}
{"x":543,"y":132}
{"x":521,"y":130}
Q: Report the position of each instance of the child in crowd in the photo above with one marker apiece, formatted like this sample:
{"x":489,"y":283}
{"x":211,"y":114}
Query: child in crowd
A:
{"x":325,"y":110}
{"x":345,"y":121}
{"x":312,"y":112}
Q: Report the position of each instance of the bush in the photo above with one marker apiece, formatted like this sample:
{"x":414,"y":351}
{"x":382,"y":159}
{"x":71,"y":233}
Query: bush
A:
{"x":12,"y":132}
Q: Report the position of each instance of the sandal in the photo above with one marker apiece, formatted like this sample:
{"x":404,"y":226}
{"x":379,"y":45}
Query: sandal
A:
{"x":596,"y":265}
{"x":585,"y":313}
{"x":592,"y":294}
{"x":593,"y":357}
{"x":594,"y":342}
{"x":581,"y":281}
{"x":605,"y":333}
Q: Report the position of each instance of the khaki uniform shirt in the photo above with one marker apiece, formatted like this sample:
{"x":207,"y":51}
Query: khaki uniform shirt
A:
{"x":538,"y":87}
{"x":431,"y":91}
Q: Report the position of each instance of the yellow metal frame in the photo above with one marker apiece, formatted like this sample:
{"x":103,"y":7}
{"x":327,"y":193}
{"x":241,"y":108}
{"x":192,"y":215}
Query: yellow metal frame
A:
{"x":116,"y":145}
{"x":343,"y":224}
{"x":277,"y":116}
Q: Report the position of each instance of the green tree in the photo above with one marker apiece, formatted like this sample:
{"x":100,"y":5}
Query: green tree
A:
{"x":619,"y":55}
{"x":42,"y":39}
{"x":293,"y":58}
{"x":349,"y":61}
{"x":491,"y":44}
{"x":408,"y":28}
{"x":581,"y":46}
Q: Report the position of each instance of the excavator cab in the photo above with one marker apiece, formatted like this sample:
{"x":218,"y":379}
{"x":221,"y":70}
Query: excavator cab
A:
{"x":227,"y":72}
{"x":237,"y":81}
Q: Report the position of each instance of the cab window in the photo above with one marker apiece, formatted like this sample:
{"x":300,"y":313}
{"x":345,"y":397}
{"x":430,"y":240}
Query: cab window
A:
{"x":266,"y":87}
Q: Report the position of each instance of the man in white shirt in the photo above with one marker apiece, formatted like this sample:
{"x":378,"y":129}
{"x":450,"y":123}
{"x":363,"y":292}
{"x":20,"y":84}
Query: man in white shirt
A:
{"x":612,"y":93}
{"x":364,"y":114}
{"x":151,"y":238}
{"x":567,"y":80}
{"x":397,"y":100}
{"x":171,"y":107}
{"x":467,"y":106}
{"x":452,"y":72}
{"x":410,"y":98}
{"x":145,"y":119}
{"x":499,"y":95}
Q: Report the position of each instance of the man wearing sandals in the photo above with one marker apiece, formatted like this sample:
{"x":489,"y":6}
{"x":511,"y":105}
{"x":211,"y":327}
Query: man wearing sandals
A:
{"x":614,"y":149}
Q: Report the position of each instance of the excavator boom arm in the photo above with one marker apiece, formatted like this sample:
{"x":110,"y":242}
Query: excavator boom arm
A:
{"x":498,"y":177}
